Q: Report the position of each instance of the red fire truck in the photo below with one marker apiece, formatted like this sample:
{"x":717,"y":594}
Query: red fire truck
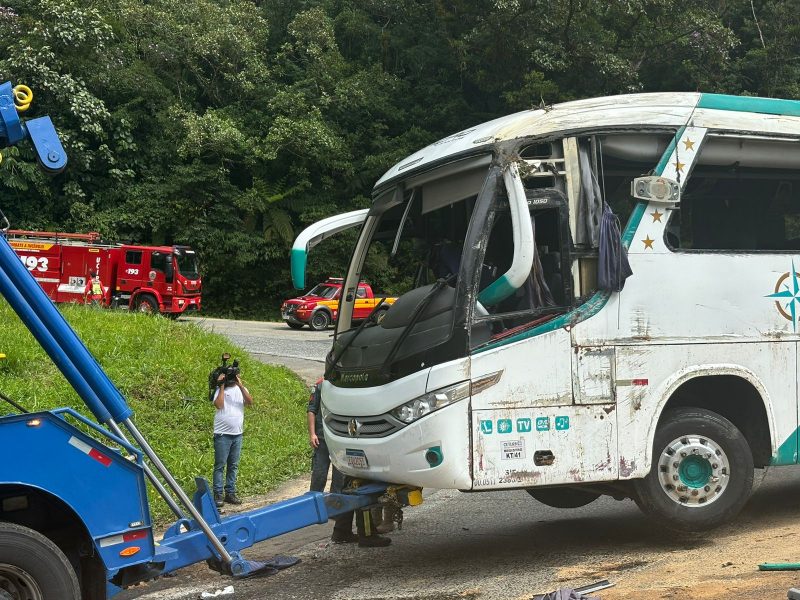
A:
{"x":161,"y":279}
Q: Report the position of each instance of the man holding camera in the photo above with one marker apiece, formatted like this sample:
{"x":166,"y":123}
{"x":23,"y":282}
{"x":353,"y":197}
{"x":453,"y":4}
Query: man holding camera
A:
{"x":230,"y":399}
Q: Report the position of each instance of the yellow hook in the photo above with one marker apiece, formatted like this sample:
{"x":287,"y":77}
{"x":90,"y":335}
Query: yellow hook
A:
{"x":23,"y":96}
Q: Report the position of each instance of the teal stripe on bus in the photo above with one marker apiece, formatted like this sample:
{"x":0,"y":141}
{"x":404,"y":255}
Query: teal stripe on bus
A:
{"x":767,"y":106}
{"x":662,"y":164}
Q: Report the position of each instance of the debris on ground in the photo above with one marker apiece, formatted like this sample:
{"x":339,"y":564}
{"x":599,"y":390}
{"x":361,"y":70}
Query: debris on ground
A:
{"x":577,"y":593}
{"x":226,"y":591}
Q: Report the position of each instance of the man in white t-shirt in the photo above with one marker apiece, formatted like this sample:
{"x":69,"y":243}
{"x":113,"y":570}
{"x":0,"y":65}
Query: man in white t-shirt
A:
{"x":230,"y":400}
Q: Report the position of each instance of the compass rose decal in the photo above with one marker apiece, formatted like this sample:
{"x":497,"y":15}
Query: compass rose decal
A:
{"x":787,"y":290}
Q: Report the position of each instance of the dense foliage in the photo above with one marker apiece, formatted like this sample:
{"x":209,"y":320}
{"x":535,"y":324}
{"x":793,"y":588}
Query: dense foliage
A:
{"x":230,"y":124}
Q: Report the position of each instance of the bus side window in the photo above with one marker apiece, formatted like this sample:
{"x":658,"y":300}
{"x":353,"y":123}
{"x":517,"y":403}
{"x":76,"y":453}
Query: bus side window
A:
{"x":737,"y":201}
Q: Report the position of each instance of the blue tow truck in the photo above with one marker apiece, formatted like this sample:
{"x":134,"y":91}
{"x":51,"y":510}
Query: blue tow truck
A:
{"x":74,"y":516}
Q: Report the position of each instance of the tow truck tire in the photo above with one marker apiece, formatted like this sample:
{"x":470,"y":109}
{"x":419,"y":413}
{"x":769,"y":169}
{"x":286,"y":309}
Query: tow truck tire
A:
{"x":320,"y":320}
{"x":701,"y":474}
{"x":34,"y":568}
{"x":295,"y":325}
{"x":563,"y":497}
{"x":147,"y":304}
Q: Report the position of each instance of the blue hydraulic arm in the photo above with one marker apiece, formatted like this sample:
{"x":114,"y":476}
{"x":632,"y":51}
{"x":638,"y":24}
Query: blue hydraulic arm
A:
{"x":50,"y":328}
{"x":40,"y":132}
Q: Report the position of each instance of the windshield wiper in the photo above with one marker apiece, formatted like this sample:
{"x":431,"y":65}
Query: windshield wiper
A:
{"x":418,"y":310}
{"x":349,"y":342}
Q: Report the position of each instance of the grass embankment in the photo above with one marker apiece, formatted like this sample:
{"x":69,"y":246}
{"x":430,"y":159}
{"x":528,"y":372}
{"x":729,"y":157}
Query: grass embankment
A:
{"x":161,"y":367}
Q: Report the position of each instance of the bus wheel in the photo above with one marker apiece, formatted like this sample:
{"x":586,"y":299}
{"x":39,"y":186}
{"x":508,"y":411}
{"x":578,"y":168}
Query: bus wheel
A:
{"x":295,"y":325}
{"x":563,"y":497}
{"x":147,"y":304}
{"x":702,"y":471}
{"x":320,"y":320}
{"x":34,"y":568}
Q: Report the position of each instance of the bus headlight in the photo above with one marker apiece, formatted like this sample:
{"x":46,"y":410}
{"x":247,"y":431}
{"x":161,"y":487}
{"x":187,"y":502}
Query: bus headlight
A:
{"x":424,"y":405}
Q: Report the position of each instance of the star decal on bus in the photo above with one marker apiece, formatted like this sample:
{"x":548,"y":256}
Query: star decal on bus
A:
{"x":787,"y":289}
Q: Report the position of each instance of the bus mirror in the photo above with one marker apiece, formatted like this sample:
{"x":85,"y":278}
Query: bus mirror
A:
{"x":313,"y":235}
{"x":656,"y":189}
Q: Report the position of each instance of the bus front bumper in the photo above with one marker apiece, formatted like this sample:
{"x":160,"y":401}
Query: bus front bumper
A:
{"x":433,"y":451}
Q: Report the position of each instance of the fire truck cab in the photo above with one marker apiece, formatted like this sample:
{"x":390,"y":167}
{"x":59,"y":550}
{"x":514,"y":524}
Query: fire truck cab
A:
{"x":162,"y":279}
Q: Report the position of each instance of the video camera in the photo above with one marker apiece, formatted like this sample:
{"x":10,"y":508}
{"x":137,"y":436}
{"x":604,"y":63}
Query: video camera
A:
{"x":230,"y":371}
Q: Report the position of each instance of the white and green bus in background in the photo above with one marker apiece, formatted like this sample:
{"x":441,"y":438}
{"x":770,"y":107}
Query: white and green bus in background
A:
{"x":508,"y":364}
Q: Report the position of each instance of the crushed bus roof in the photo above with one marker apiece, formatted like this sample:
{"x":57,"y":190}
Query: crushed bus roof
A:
{"x":654,"y":110}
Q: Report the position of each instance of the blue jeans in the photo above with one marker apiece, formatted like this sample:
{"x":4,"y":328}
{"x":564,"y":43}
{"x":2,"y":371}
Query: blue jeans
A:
{"x":320,"y":463}
{"x":227,"y":450}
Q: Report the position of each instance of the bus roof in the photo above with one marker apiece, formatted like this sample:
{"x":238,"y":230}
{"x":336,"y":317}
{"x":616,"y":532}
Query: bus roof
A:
{"x":632,"y":111}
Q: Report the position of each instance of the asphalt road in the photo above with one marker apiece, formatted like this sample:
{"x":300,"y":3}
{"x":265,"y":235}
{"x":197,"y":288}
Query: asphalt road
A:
{"x":499,"y":545}
{"x":504,"y":545}
{"x":302,"y":350}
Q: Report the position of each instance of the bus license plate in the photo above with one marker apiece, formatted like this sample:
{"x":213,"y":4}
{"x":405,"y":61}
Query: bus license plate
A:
{"x":356,"y":459}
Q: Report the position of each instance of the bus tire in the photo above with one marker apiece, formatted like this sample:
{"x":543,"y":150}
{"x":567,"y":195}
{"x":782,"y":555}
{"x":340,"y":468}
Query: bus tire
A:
{"x":563,"y":497}
{"x":701,"y":474}
{"x":33,"y":567}
{"x":295,"y":325}
{"x":147,"y":304}
{"x":320,"y":320}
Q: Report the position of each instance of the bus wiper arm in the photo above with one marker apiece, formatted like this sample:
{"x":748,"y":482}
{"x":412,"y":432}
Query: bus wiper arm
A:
{"x":356,"y":333}
{"x":418,"y":310}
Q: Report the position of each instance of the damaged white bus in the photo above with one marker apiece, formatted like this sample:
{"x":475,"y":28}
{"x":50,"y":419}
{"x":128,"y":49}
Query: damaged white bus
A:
{"x":507,"y":363}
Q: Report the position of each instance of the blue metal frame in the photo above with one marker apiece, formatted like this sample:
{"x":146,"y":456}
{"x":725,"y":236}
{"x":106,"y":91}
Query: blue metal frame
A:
{"x":50,"y":455}
{"x":241,"y":531}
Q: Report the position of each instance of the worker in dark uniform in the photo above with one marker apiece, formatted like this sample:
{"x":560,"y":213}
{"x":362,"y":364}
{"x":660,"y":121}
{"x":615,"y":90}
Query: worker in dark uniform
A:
{"x":320,"y":463}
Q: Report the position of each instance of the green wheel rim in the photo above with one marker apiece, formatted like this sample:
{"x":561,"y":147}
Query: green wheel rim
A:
{"x":695,"y":471}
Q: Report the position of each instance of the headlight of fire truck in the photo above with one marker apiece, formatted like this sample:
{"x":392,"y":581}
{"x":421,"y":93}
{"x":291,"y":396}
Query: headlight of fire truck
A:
{"x":424,"y":405}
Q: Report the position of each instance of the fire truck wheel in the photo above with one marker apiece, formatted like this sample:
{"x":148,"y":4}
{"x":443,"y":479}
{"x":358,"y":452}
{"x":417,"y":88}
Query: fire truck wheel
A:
{"x":295,"y":325}
{"x":701,"y":474}
{"x":320,"y":320}
{"x":147,"y":304}
{"x":563,"y":497}
{"x":34,"y":568}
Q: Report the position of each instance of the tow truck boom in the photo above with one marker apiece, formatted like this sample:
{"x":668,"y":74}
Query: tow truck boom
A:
{"x":93,"y":486}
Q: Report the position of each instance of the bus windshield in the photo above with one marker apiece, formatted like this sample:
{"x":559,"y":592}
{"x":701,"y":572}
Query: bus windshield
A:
{"x":411,"y":249}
